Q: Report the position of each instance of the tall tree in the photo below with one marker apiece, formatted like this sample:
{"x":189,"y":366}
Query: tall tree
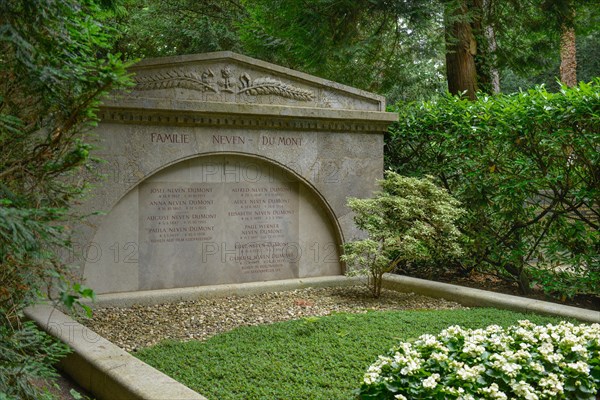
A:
{"x":393,"y":47}
{"x":156,"y":28}
{"x":405,"y":49}
{"x":568,"y":57}
{"x":489,"y":33}
{"x":551,"y":27}
{"x":568,"y":48}
{"x":461,"y":48}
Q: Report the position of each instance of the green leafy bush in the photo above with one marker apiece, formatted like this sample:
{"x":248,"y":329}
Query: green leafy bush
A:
{"x":27,"y":354}
{"x":54,"y":68}
{"x":526,"y":168}
{"x":525,"y":361}
{"x":410,"y":221}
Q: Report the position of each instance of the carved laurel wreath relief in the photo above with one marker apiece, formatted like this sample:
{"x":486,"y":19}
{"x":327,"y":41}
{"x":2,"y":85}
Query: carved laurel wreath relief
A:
{"x":206,"y":82}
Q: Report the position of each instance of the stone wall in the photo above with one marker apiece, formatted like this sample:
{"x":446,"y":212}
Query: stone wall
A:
{"x":225,"y":169}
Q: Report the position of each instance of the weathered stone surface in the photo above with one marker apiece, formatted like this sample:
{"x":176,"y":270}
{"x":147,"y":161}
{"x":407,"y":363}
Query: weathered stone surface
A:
{"x":224,"y":169}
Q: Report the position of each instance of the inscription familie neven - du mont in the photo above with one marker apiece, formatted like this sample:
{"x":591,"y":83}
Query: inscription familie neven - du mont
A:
{"x":264,"y":140}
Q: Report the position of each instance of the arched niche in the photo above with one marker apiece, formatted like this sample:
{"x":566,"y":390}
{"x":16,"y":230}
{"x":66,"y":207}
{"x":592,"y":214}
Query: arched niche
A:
{"x":214,"y":219}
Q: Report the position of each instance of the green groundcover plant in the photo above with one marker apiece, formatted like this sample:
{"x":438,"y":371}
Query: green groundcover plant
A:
{"x":525,"y":361}
{"x":314,"y":358}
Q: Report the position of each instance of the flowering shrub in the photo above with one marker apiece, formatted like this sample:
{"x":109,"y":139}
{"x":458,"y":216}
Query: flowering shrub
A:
{"x":526,"y":361}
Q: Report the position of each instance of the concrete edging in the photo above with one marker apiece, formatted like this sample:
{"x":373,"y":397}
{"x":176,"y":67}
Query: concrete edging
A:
{"x":111,"y":373}
{"x":103,"y":368}
{"x":482,"y":298}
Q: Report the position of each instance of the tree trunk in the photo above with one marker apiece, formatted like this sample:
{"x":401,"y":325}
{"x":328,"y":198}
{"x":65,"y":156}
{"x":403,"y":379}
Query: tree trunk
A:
{"x":492,"y":46}
{"x":568,"y":57}
{"x":488,"y":78}
{"x":524,"y":283}
{"x":376,"y":283}
{"x":490,"y":36}
{"x":521,"y":277}
{"x":461,"y":48}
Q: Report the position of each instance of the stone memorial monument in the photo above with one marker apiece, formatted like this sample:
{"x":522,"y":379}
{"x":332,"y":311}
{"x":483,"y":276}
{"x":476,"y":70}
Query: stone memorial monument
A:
{"x":220,"y":168}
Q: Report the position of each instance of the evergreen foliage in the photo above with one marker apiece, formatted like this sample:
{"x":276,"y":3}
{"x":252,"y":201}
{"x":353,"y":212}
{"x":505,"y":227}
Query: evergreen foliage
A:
{"x":390,"y":47}
{"x":55,"y":64}
{"x":526,"y":168}
{"x":395,"y":48}
{"x":529,"y":52}
{"x":153,"y":28}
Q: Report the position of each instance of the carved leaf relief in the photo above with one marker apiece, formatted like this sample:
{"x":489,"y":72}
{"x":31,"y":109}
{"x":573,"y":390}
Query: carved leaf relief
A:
{"x":176,"y":79}
{"x":267,"y":86}
{"x":204,"y":82}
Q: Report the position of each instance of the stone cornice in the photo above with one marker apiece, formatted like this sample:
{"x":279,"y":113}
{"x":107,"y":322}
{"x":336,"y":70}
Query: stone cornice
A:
{"x":192,"y":113}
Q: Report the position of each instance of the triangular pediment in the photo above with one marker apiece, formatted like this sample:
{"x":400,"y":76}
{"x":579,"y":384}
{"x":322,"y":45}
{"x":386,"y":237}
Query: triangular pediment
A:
{"x":226,"y":77}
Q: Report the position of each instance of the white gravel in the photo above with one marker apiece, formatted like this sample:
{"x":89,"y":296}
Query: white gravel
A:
{"x":136,"y":327}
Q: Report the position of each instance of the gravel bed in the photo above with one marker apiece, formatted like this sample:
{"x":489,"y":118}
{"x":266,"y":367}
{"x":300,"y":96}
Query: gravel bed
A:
{"x":137,"y":327}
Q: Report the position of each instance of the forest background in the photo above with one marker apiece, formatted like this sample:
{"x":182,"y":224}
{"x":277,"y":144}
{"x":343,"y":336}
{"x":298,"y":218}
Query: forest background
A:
{"x":405,"y":50}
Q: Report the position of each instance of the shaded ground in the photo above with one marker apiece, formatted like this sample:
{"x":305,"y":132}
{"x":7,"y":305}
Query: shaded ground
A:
{"x":64,"y":388}
{"x":487,"y":282}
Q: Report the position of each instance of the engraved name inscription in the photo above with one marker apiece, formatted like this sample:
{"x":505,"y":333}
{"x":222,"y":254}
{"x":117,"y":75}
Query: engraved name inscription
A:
{"x":264,"y":140}
{"x":255,"y":225}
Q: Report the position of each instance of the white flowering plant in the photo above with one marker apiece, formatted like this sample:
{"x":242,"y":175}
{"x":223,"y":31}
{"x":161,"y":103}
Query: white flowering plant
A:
{"x":525,"y":361}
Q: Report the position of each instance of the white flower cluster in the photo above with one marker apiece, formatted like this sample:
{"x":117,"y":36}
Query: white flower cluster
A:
{"x":525,"y":361}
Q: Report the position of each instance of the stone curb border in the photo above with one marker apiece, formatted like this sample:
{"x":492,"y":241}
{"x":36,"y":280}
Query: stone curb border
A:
{"x":482,"y":298}
{"x":111,"y":373}
{"x":104,"y":369}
